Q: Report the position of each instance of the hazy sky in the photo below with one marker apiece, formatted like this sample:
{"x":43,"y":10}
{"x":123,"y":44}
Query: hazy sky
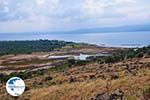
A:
{"x":60,"y":15}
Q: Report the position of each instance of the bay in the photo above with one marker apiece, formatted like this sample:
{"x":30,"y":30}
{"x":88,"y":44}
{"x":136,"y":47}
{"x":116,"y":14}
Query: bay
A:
{"x":116,"y":39}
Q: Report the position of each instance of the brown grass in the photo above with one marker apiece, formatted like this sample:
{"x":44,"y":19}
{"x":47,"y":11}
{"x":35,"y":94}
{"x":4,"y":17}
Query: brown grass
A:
{"x":90,"y":80}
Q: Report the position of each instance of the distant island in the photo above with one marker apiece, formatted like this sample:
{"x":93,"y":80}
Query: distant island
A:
{"x":127,"y":28}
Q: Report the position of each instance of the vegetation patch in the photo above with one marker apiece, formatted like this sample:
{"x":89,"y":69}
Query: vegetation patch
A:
{"x":27,"y":47}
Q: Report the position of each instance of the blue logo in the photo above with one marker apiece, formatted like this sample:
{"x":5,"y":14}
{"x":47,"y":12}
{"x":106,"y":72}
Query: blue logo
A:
{"x":15,"y":86}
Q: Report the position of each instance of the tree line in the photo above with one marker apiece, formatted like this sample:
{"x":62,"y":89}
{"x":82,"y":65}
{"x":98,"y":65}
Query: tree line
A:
{"x":27,"y":47}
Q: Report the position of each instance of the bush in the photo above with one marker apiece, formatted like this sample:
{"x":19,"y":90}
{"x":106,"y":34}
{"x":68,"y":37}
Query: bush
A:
{"x":23,"y":75}
{"x":48,"y":78}
{"x":7,"y":77}
{"x":80,"y":62}
{"x":109,"y":59}
{"x":60,"y":67}
{"x":113,"y":58}
{"x":140,"y":55}
{"x":148,"y":52}
{"x":39,"y":72}
{"x":71,"y":62}
{"x":130,"y":54}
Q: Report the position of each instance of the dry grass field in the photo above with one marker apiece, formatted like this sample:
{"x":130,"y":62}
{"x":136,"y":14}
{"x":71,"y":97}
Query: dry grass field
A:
{"x":89,"y":81}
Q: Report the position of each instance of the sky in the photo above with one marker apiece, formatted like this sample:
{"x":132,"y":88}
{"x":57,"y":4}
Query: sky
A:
{"x":67,"y":15}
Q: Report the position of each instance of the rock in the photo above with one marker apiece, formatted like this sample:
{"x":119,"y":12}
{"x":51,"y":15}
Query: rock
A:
{"x":27,"y":88}
{"x":147,"y":65}
{"x":114,"y":76}
{"x":67,"y":73}
{"x":71,"y":79}
{"x":117,"y":95}
{"x":92,"y":76}
{"x":102,"y":96}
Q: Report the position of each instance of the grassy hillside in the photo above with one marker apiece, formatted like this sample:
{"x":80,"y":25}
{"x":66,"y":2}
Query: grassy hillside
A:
{"x":124,"y":75}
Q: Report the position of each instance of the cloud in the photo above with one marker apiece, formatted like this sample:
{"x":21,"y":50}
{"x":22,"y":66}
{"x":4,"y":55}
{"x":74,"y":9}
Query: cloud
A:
{"x":125,"y":1}
{"x":6,"y":9}
{"x":40,"y":2}
{"x":3,"y":2}
{"x":56,"y":15}
{"x":104,"y":8}
{"x":93,"y":7}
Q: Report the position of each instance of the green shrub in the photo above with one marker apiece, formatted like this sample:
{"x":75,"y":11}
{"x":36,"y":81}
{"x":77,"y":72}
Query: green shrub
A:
{"x":80,"y":62}
{"x":112,"y":59}
{"x":130,"y":54}
{"x":148,"y":52}
{"x":71,"y":62}
{"x":109,"y":59}
{"x":23,"y":75}
{"x":59,"y":67}
{"x":140,"y":55}
{"x":48,"y":78}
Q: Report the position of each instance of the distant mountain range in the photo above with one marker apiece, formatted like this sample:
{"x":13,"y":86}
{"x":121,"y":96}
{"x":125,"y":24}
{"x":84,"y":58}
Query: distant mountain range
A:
{"x":129,"y":28}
